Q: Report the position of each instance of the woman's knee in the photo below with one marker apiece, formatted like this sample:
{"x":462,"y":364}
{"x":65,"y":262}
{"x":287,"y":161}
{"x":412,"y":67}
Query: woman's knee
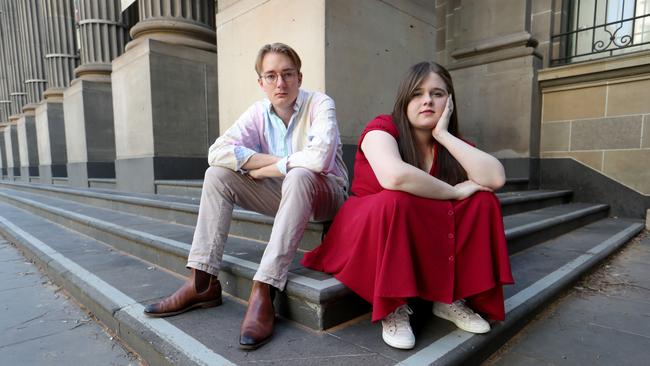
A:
{"x":485,"y":198}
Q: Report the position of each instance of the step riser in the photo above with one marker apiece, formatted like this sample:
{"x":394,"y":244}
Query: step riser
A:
{"x":238,"y":227}
{"x":235,"y":280}
{"x":528,"y":240}
{"x":514,"y":186}
{"x":525,"y":206}
{"x":181,"y":191}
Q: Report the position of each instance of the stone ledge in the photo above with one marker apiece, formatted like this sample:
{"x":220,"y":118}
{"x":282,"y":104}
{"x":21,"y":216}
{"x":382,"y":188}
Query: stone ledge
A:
{"x":603,"y":69}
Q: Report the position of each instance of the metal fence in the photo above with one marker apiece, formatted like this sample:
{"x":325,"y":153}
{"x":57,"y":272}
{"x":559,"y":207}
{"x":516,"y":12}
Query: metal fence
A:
{"x":601,"y":28}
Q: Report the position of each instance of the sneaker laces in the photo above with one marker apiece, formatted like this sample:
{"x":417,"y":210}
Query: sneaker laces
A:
{"x":398,"y":319}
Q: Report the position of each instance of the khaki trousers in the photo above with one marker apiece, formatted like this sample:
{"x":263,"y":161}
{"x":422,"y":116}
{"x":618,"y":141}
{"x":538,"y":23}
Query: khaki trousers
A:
{"x":300,"y":196}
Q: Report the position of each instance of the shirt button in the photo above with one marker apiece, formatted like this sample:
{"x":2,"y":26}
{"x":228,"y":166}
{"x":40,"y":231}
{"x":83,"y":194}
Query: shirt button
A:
{"x":451,"y":212}
{"x":450,"y":236}
{"x":451,"y":258}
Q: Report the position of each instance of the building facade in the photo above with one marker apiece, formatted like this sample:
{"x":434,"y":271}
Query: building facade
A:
{"x":126,"y":94}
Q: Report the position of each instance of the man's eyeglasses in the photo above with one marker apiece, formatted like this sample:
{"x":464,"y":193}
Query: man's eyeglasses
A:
{"x":272,"y":78}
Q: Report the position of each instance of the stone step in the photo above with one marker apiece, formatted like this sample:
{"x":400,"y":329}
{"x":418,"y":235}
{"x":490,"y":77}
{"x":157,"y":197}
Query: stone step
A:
{"x":114,"y":286}
{"x":516,"y":184}
{"x":311,"y":298}
{"x":246,"y":224}
{"x":182,"y":210}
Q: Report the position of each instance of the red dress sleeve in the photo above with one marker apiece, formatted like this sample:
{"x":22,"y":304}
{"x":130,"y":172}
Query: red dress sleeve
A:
{"x":382,"y":122}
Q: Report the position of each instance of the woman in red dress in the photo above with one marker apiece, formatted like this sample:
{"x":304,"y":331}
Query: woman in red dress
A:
{"x":422,"y":220}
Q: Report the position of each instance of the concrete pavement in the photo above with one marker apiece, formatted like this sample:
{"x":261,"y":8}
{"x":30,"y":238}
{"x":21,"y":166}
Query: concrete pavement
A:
{"x":604,"y":320}
{"x":40,"y":325}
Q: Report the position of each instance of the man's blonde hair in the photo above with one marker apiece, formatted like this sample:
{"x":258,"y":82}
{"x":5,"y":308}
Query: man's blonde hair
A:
{"x":276,"y":48}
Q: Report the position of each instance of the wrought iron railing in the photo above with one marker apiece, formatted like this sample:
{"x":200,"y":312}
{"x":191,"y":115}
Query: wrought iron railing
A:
{"x":605,"y":29}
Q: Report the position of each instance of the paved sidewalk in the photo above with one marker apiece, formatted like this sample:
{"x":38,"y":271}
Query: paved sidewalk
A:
{"x":604,"y":320}
{"x":39,"y":325}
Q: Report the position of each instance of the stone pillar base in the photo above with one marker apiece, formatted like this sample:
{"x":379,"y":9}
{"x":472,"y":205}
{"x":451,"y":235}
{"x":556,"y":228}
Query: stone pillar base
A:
{"x":47,"y":172}
{"x":165,"y":103}
{"x":28,"y":171}
{"x":27,"y":146}
{"x":50,"y":130}
{"x":78,"y":173}
{"x":89,"y":131}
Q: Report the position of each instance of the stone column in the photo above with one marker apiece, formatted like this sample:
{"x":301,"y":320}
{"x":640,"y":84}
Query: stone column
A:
{"x":494,"y":64}
{"x":31,"y":46}
{"x":165,"y":94}
{"x":32,"y":50}
{"x":61,"y":58}
{"x":12,"y":55}
{"x":5,"y":102}
{"x":88,"y":105}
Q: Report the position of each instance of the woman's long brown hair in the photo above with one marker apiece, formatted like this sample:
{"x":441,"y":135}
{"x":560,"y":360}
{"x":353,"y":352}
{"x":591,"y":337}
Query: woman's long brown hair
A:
{"x":449,"y":170}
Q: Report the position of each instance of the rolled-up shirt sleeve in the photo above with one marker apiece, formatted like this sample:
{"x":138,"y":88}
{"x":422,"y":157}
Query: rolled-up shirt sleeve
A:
{"x":323,"y":136}
{"x":241,"y":141}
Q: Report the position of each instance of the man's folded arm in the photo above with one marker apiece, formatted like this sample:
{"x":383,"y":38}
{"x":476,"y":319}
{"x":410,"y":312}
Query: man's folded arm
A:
{"x":322,"y":143}
{"x":235,"y":148}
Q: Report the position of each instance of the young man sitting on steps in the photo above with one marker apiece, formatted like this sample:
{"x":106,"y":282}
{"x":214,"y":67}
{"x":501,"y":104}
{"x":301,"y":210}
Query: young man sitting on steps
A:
{"x":281,"y":158}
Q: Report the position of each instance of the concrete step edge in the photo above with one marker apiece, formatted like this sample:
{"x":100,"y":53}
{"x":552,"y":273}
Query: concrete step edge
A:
{"x":156,"y":340}
{"x":535,"y":195}
{"x":537,"y":226}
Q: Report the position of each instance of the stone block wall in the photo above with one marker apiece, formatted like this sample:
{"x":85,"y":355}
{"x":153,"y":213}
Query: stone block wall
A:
{"x":598,"y":113}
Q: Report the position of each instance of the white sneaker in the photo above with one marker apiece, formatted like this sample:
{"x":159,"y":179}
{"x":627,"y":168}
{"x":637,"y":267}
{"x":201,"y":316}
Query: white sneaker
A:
{"x":396,"y":328}
{"x":461,"y":315}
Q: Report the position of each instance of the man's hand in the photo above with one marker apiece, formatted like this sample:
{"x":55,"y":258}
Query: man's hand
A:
{"x":443,"y":122}
{"x":269,"y":171}
{"x":256,"y":173}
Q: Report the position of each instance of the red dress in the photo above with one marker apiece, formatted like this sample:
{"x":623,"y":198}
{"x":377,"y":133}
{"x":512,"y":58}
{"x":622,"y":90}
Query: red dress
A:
{"x":388,"y":246}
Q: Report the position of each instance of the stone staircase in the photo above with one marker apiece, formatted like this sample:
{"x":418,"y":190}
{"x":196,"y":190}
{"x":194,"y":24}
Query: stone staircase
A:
{"x":115,"y":251}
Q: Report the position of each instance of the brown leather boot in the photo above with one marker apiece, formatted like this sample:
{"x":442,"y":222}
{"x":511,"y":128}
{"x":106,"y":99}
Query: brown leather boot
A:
{"x":257,"y":327}
{"x":201,"y":290}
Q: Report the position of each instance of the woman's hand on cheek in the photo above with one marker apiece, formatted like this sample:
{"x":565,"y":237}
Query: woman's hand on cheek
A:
{"x":443,"y":122}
